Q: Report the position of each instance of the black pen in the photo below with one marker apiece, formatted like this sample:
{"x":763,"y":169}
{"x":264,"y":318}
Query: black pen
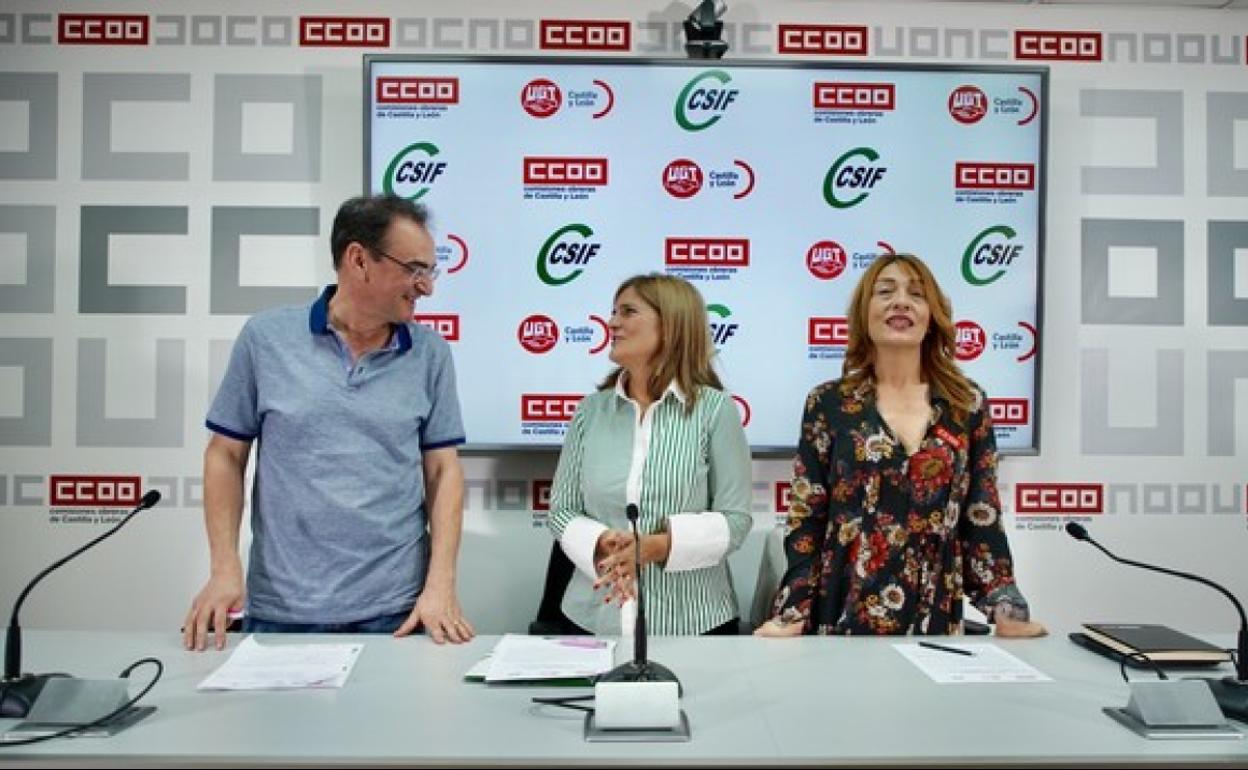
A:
{"x":943,"y":648}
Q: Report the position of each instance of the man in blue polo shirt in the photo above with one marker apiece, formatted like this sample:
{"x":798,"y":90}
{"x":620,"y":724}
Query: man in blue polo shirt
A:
{"x":357,"y":503}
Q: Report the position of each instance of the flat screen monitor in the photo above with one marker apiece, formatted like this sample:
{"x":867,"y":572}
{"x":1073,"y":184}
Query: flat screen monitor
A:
{"x":770,"y":185}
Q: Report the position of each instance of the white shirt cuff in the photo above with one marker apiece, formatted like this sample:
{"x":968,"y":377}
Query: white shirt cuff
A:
{"x":579,"y":541}
{"x":699,"y":540}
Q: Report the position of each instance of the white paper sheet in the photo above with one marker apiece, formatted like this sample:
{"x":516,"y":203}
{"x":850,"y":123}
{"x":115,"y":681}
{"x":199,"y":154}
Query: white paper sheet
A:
{"x":518,"y":657}
{"x":255,"y":666}
{"x":986,"y":663}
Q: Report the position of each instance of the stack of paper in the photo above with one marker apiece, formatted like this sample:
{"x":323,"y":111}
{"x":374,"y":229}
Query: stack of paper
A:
{"x":977,"y":663}
{"x":255,"y":666}
{"x":545,"y":659}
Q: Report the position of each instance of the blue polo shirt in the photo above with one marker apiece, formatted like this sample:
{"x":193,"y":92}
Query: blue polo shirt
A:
{"x":338,"y":520}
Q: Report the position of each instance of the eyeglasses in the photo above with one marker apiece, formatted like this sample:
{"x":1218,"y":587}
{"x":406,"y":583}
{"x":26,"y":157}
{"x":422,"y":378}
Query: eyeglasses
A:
{"x":416,"y":270}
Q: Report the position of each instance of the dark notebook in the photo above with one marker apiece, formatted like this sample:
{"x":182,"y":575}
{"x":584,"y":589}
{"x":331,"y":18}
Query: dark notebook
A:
{"x":1159,"y":643}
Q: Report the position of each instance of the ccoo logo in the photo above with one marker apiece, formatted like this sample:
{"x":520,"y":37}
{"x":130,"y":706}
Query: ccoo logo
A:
{"x":846,"y":177}
{"x":562,"y":249}
{"x":445,"y":324}
{"x":85,"y":491}
{"x":538,"y":333}
{"x":701,"y":104}
{"x":413,"y":171}
{"x":990,"y":249}
{"x":541,"y":98}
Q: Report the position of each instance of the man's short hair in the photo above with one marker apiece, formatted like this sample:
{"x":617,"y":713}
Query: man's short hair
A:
{"x":366,"y":218}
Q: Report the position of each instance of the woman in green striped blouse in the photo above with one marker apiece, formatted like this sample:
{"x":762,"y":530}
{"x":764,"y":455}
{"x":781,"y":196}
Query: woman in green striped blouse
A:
{"x":660,"y":432}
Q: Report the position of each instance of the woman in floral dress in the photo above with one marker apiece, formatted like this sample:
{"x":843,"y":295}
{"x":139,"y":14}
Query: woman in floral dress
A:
{"x":894,"y":514}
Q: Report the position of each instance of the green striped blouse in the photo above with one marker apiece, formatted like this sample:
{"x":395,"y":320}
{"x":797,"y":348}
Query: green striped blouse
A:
{"x":669,"y":463}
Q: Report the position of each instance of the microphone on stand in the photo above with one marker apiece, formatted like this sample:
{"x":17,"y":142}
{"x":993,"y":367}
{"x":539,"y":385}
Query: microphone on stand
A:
{"x":640,"y":668}
{"x":18,"y":691}
{"x":1230,"y":692}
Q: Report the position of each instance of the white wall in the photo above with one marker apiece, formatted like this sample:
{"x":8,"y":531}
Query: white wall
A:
{"x":1146,"y":400}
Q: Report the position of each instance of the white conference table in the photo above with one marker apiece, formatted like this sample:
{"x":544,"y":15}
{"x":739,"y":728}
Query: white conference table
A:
{"x":809,"y":701}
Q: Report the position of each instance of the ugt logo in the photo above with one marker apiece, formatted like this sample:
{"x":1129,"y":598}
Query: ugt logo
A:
{"x":991,"y":248}
{"x":848,"y":176}
{"x":970,"y":340}
{"x":538,"y":333}
{"x":563,"y":249}
{"x":967,"y":104}
{"x":701,"y":104}
{"x":413,"y":171}
{"x":826,"y":260}
{"x":541,"y":98}
{"x":682,"y":178}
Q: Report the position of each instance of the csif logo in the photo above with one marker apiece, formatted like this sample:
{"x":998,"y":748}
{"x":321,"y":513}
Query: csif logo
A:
{"x":721,"y":331}
{"x":970,"y":340}
{"x":682,"y":178}
{"x":968,"y":104}
{"x":445,"y":324}
{"x":848,"y":176}
{"x":413,"y":171}
{"x":548,"y":407}
{"x":65,"y":491}
{"x":706,"y":252}
{"x":826,"y":260}
{"x":1050,"y":498}
{"x":1009,"y":411}
{"x":538,"y":333}
{"x":827,"y":330}
{"x":585,"y":172}
{"x":855,"y":96}
{"x":561,"y":249}
{"x":701,"y":99}
{"x":417,"y":90}
{"x":991,"y":248}
{"x":541,"y":98}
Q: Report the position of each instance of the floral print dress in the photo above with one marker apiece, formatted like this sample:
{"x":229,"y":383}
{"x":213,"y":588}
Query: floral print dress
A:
{"x":884,"y":542}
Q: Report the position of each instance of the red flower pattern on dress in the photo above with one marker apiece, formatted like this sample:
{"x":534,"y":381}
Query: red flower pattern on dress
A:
{"x":884,"y":543}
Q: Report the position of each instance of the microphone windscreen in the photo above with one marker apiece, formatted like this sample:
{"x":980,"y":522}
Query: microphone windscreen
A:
{"x":631,"y":511}
{"x":151,"y":498}
{"x":1076,"y":530}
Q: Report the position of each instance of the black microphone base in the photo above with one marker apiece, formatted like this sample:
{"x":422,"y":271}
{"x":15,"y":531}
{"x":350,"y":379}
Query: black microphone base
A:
{"x":649,"y":671}
{"x":1232,"y":697}
{"x":18,"y":695}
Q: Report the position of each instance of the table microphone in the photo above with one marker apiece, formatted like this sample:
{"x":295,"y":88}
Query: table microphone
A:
{"x":18,"y":691}
{"x":639,"y":669}
{"x":1231,"y":693}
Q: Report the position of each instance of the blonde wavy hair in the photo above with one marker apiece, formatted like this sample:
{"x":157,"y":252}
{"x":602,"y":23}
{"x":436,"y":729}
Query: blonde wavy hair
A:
{"x":685,"y":350}
{"x":937,"y":363}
